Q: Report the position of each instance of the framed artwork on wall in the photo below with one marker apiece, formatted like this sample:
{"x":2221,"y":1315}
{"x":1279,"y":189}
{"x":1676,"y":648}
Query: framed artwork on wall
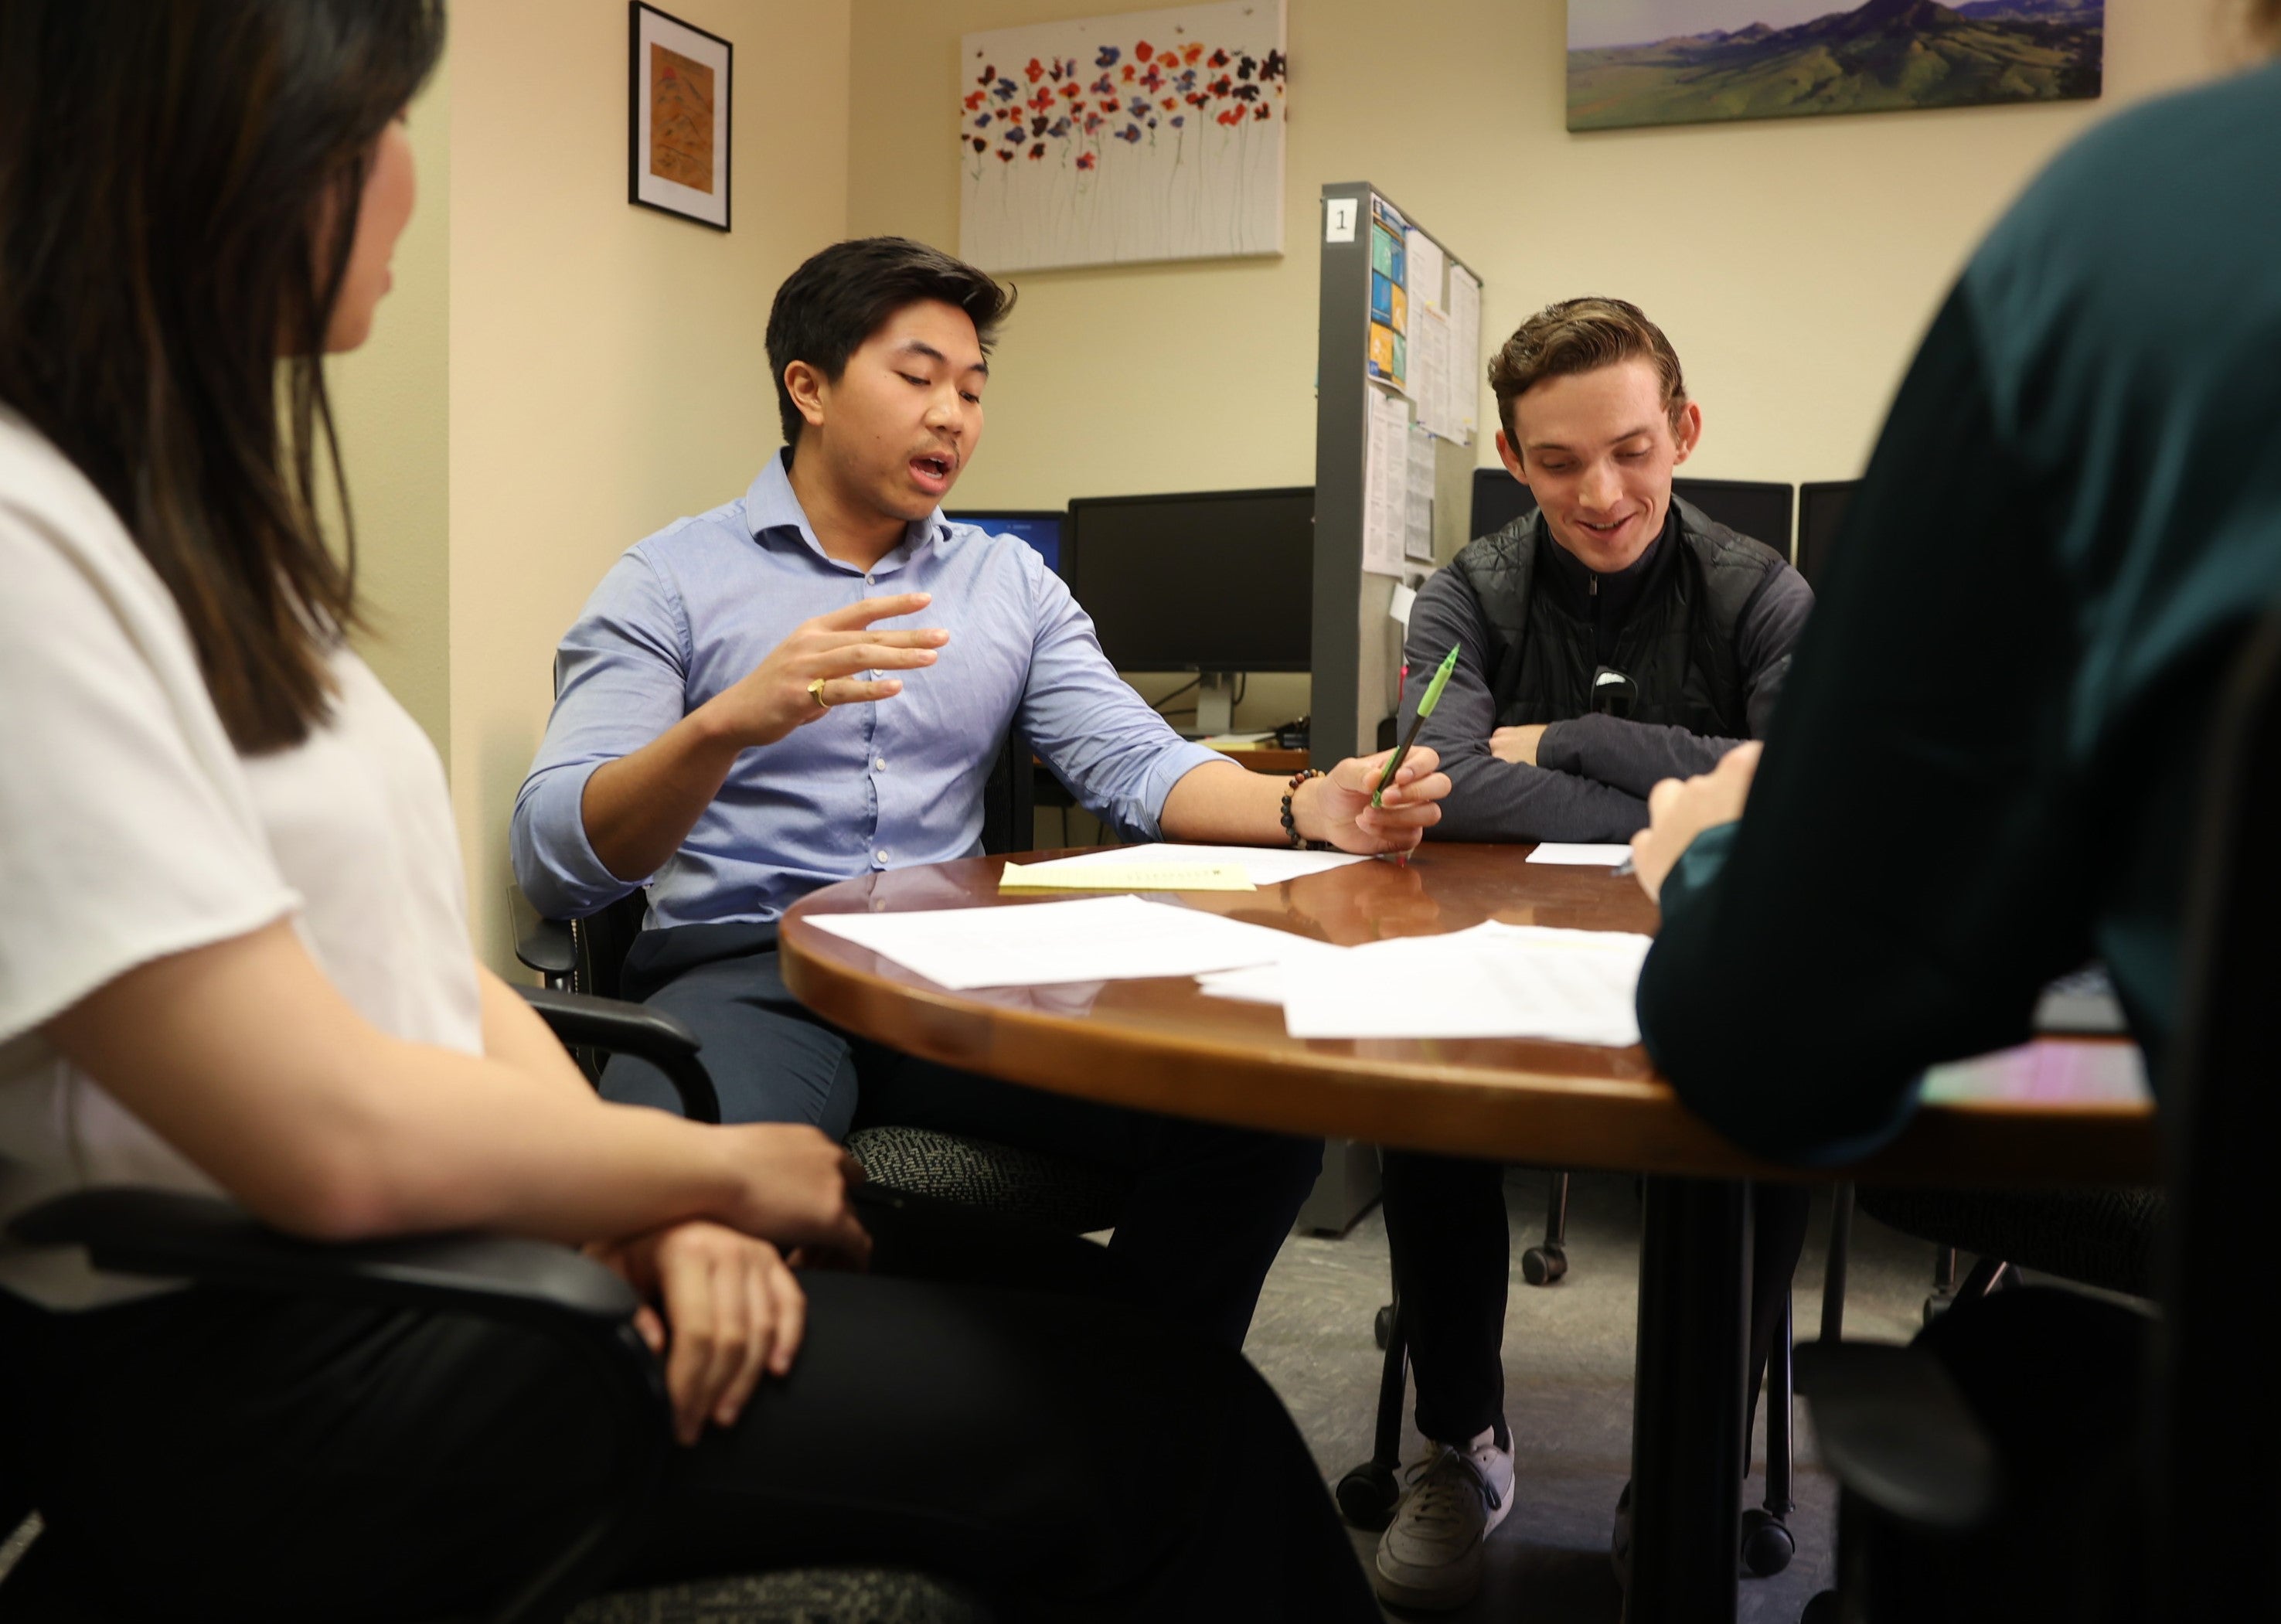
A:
{"x":678,"y":118}
{"x":1633,"y":62}
{"x":1117,"y":140}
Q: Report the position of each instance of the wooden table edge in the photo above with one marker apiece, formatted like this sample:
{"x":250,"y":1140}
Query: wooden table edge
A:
{"x":1609,"y":1124}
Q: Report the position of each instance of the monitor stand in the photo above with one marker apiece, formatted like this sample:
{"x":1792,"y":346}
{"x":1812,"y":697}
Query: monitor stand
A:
{"x":1215,"y":703}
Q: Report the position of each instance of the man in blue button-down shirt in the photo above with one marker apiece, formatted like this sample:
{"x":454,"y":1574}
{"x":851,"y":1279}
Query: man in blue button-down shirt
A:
{"x":736,"y":726}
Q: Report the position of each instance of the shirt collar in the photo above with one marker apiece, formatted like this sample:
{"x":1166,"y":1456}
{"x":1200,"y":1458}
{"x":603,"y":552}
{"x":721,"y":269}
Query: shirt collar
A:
{"x":770,"y":505}
{"x":1617,"y":591}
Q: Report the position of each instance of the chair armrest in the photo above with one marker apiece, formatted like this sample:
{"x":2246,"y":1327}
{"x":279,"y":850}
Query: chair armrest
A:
{"x":203,"y":1238}
{"x":583,"y":1020}
{"x":1893,"y":1428}
{"x":540,"y":943}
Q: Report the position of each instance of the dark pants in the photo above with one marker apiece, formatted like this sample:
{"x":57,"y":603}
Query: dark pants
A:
{"x":1209,"y":1206}
{"x":1445,"y":1226}
{"x":221,"y":1454}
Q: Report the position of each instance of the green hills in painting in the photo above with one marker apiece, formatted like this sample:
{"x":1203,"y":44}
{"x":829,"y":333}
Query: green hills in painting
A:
{"x":1885,"y":55}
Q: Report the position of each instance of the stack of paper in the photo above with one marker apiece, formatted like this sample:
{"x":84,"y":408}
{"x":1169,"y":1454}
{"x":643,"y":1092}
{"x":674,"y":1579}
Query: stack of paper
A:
{"x":1069,"y":875}
{"x":1581,"y":856}
{"x":1099,"y":938}
{"x":1493,"y":981}
{"x":1263,"y":865}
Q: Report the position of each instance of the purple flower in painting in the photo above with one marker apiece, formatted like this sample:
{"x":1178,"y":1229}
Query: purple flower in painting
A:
{"x":1130,"y":132}
{"x":1005,"y":89}
{"x":1181,"y":121}
{"x":1108,"y":56}
{"x":1102,"y":87}
{"x":982,"y":120}
{"x":1060,"y":129}
{"x":1138,"y":105}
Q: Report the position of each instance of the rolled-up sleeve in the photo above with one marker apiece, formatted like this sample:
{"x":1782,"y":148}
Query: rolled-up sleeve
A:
{"x":1117,"y":756}
{"x":620,"y":681}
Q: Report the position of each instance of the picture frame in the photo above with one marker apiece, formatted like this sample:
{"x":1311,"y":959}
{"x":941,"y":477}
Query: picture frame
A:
{"x":679,"y":108}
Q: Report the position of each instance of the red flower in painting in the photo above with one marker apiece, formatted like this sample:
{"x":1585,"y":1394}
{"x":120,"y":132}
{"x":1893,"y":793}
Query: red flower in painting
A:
{"x":973,"y":101}
{"x":1220,"y":59}
{"x":1144,"y":50}
{"x":1085,"y":160}
{"x":1222,"y":85}
{"x":1193,"y":53}
{"x":1005,"y":155}
{"x":1172,"y":102}
{"x":1233,"y":116}
{"x":1037,"y":151}
{"x":1071,"y":92}
{"x":1036,"y":70}
{"x":1260,"y":111}
{"x":1128,"y":73}
{"x":1042,"y":100}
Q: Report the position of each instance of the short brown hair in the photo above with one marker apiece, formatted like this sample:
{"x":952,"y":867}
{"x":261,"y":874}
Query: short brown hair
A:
{"x":1584,"y":335}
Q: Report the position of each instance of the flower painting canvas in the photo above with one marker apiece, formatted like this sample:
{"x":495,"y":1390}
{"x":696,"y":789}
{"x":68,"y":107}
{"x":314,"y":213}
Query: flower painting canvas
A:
{"x":1150,"y":135}
{"x":1692,"y":61}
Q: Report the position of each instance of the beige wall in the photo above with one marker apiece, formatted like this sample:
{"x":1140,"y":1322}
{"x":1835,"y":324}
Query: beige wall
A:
{"x":607,"y":370}
{"x":389,"y":405}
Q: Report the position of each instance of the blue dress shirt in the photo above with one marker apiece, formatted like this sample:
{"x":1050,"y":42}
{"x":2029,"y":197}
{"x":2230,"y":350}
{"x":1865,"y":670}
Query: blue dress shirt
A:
{"x":691,"y":610}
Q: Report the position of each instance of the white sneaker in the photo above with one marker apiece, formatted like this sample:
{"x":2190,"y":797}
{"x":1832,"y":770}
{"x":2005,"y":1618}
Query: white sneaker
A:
{"x":1430,"y":1556}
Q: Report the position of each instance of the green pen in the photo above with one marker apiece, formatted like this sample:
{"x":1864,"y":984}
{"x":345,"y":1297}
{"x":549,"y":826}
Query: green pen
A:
{"x":1433,"y":697}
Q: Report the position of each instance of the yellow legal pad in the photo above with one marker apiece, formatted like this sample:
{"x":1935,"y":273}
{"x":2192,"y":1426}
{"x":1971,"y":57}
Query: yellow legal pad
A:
{"x":1125,"y":877}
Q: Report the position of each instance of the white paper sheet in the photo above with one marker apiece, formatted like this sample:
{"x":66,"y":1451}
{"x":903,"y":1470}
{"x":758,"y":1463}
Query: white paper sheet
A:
{"x":1493,"y":981}
{"x":1267,"y":866}
{"x":1581,"y":856}
{"x":1418,"y":522}
{"x":1386,"y":483}
{"x":1044,"y":944}
{"x":1425,"y":261}
{"x":1429,"y":372}
{"x":1464,"y":368}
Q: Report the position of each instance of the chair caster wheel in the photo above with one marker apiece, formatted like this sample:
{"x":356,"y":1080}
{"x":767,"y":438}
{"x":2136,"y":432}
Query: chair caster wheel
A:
{"x":1381,"y":1325}
{"x":1767,"y":1545}
{"x":1937,"y":1305}
{"x":1367,"y":1496}
{"x":1823,"y":1609}
{"x":1543,"y":1265}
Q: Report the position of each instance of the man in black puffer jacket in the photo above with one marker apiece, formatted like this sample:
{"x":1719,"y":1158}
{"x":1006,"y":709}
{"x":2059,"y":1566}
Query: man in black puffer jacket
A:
{"x":1611,"y":637}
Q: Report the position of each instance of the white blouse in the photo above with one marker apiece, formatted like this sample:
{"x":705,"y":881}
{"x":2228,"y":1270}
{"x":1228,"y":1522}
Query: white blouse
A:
{"x":131,"y":828}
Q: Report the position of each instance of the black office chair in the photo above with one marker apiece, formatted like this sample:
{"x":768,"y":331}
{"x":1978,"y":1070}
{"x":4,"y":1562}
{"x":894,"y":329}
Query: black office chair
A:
{"x":1941,"y":1513}
{"x":587,"y":956}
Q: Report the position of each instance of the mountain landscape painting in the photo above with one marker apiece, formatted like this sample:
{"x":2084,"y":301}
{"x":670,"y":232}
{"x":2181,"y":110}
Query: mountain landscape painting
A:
{"x":1632,"y":62}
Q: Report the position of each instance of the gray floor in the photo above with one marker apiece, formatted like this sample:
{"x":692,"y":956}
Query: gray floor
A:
{"x":1568,"y":1372}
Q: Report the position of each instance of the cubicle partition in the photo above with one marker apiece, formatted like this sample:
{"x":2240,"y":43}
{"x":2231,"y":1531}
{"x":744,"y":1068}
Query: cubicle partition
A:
{"x":1398,"y":384}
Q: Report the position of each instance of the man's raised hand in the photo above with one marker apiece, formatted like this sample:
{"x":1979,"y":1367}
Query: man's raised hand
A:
{"x":774,"y":697}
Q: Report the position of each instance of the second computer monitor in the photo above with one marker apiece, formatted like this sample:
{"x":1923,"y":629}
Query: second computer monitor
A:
{"x":1821,"y":512}
{"x":1207,"y":580}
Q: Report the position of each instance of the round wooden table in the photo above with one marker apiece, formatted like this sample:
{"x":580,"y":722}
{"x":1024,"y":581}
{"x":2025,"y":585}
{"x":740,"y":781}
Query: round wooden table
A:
{"x":2071,"y":1112}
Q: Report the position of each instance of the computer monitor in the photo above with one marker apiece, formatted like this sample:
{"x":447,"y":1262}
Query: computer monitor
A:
{"x":1760,"y":511}
{"x":1498,"y":500}
{"x":1204,"y":581}
{"x":1820,"y":511}
{"x":1040,"y":526}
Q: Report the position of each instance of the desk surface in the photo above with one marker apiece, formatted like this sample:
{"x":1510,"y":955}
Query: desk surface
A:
{"x":2068,"y":1111}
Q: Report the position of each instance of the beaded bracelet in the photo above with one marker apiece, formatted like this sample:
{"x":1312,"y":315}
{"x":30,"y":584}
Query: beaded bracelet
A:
{"x":1290,"y":827}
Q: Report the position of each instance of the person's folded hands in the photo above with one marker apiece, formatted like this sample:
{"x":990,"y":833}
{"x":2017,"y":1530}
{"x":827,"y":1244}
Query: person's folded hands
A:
{"x":727,"y":1312}
{"x":1337,"y":806}
{"x":1679,"y":809}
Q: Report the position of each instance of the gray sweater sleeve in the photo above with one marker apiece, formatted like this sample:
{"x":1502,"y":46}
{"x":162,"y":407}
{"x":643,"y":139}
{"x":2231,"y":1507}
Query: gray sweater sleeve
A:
{"x":1632,"y":757}
{"x":1490,"y":799}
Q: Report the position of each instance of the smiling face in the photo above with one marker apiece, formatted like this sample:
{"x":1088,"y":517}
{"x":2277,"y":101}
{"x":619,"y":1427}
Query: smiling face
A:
{"x":894,"y":431}
{"x":1597,"y":450}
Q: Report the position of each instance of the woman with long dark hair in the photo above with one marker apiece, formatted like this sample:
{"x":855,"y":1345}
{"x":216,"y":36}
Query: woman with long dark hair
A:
{"x":235,"y":959}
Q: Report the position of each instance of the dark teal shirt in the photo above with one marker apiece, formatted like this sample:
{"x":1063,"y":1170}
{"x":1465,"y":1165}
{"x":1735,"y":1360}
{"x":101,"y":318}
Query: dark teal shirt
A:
{"x":1988,"y":762}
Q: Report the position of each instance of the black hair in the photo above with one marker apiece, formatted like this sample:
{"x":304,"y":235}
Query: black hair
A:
{"x":839,"y":298}
{"x":179,"y":187}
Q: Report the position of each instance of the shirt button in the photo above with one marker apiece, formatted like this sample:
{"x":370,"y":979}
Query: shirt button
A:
{"x":881,"y":763}
{"x":883,"y":853}
{"x":868,"y":581}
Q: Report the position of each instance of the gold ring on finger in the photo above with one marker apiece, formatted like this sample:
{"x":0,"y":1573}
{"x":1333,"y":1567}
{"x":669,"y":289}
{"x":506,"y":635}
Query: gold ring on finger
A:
{"x":816,"y":692}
